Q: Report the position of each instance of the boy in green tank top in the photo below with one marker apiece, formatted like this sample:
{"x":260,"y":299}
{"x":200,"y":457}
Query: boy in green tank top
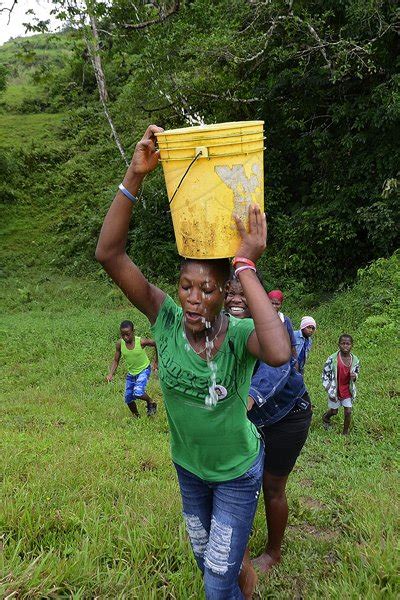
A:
{"x":131,"y":347}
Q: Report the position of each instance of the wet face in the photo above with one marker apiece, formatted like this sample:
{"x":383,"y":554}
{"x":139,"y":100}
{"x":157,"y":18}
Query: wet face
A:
{"x":235,"y":301}
{"x":201,"y":294}
{"x":308,"y":331}
{"x":276,"y":304}
{"x":345,"y":345}
{"x":127,"y":334}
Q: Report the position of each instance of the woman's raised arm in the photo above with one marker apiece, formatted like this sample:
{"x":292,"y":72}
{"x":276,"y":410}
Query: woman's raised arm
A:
{"x":270,"y":341}
{"x":111,"y":247}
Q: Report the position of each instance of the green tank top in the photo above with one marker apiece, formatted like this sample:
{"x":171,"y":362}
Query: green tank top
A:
{"x":215,"y":443}
{"x":136,"y":359}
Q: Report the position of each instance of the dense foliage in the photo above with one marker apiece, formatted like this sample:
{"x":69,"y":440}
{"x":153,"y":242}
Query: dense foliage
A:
{"x":323,"y":75}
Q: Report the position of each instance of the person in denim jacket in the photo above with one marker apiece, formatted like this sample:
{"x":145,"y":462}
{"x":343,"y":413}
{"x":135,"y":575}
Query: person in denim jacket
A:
{"x":280,"y":407}
{"x":304,"y":341}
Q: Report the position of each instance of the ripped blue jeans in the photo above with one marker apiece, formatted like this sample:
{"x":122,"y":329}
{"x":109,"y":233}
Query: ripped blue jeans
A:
{"x":219,"y":517}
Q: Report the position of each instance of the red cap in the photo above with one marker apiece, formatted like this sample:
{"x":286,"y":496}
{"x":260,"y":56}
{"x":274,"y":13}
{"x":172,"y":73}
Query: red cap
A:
{"x":276,"y":294}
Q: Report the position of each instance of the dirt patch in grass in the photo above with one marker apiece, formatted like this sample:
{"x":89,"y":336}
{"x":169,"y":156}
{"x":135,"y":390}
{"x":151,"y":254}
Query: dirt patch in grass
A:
{"x":313,"y":503}
{"x":306,"y":482}
{"x":298,"y":588}
{"x":305,"y":529}
{"x":148,"y":465}
{"x":331,"y":558}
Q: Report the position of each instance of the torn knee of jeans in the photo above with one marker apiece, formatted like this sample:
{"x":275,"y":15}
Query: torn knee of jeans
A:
{"x":219,"y":547}
{"x":197,"y":534}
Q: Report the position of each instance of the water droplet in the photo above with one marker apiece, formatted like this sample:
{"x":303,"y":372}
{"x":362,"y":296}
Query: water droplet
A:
{"x":209,"y":345}
{"x":212,"y":398}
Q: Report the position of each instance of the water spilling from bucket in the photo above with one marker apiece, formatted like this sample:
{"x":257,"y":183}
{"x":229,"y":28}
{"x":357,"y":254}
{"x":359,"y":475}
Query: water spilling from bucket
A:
{"x":211,"y":398}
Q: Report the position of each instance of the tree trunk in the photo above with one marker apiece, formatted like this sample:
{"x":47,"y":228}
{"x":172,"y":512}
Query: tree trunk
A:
{"x":93,"y":47}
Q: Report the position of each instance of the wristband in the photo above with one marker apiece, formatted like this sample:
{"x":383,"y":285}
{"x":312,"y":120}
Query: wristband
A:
{"x":127,"y":193}
{"x":245,"y":268}
{"x":243,"y":260}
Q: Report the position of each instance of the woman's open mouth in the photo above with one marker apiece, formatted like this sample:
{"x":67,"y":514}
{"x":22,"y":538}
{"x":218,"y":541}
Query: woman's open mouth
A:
{"x":192,"y":317}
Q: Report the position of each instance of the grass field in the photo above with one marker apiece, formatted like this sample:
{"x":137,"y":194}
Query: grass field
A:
{"x":31,"y":129}
{"x":25,"y":57}
{"x":90,"y":504}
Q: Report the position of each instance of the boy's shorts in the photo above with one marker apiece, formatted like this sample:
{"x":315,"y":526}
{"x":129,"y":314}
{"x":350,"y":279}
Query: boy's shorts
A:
{"x":346,"y":403}
{"x":135,"y":385}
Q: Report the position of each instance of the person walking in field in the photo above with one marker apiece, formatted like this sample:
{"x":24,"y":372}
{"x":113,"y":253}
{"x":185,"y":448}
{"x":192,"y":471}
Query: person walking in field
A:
{"x":338,"y":378}
{"x":279,"y":405}
{"x":304,"y":341}
{"x":217,"y":452}
{"x":276,"y":297}
{"x":131,"y":347}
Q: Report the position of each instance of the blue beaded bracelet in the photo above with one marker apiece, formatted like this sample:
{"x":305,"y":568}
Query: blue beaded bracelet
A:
{"x":127,"y":193}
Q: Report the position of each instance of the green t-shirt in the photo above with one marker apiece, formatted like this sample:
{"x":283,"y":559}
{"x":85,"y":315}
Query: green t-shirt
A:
{"x":215,"y":443}
{"x":136,"y":359}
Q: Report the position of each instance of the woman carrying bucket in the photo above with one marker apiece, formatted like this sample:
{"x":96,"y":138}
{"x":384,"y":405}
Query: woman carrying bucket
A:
{"x":206,"y":360}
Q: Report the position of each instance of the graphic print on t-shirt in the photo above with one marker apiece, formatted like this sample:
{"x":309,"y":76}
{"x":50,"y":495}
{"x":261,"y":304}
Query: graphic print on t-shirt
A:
{"x":191,"y":383}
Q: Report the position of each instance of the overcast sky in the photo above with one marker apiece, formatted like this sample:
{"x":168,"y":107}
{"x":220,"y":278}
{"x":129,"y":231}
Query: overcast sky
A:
{"x":15,"y":28}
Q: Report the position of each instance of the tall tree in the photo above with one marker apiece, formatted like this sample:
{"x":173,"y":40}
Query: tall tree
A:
{"x":93,"y":46}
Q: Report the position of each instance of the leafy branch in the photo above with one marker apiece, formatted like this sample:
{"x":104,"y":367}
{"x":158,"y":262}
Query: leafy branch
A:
{"x":162,"y":16}
{"x":4,"y":8}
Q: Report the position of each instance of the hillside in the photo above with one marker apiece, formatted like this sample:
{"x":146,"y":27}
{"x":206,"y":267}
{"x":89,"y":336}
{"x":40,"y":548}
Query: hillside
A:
{"x":28,"y":62}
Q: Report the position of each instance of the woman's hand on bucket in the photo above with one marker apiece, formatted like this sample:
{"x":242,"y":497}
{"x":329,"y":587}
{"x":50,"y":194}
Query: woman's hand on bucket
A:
{"x":254,"y":241}
{"x":145,"y":157}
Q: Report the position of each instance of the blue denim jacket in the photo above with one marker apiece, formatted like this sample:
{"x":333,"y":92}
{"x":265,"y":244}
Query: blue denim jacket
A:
{"x":303,"y":347}
{"x":275,"y":391}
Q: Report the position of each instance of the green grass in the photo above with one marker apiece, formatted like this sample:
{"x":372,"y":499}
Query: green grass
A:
{"x":42,"y":44}
{"x":90,"y":503}
{"x":27,"y":130}
{"x":23,"y":57}
{"x":29,"y":141}
{"x":16,"y":93}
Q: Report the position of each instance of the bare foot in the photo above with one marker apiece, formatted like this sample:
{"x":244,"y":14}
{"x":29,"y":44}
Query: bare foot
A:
{"x":247,"y":577}
{"x":265,"y":562}
{"x":326,"y":423}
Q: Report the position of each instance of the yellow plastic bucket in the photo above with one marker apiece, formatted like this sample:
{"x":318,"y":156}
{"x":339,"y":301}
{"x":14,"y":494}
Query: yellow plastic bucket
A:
{"x":212,"y":172}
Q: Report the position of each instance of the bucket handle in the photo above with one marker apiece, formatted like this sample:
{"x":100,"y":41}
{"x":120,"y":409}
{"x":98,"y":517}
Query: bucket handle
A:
{"x":199,"y":153}
{"x":210,"y":156}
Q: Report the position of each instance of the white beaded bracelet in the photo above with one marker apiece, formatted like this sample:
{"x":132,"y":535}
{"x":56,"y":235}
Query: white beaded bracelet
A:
{"x":245,"y":268}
